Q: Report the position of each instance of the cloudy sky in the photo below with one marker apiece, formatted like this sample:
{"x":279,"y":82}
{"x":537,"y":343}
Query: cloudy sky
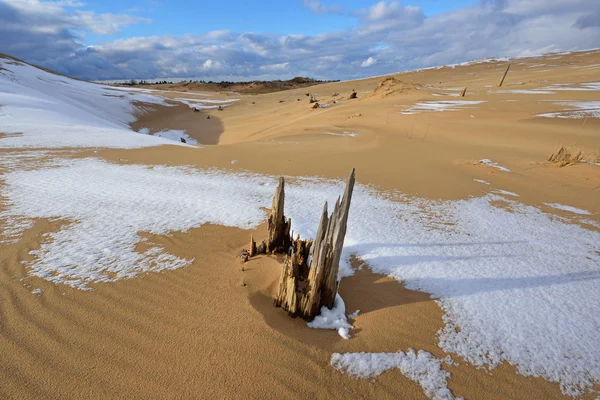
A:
{"x":269,"y":39}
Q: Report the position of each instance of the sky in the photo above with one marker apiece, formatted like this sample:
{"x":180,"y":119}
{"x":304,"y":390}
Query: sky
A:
{"x":280,"y":39}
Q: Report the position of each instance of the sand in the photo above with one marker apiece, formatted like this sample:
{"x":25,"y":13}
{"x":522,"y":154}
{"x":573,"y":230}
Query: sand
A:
{"x":199,"y":332}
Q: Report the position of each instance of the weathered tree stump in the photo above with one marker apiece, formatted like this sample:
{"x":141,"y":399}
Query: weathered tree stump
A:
{"x":354,"y":95}
{"x":306,"y":283}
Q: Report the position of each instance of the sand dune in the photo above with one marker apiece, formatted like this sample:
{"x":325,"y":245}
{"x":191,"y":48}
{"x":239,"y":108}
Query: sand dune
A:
{"x":209,"y":329}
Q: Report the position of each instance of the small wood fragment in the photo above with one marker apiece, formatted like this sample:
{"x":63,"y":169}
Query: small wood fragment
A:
{"x":252,"y":246}
{"x":462,"y":94}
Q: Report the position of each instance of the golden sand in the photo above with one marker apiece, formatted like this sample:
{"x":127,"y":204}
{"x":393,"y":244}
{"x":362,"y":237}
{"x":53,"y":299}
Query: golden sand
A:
{"x":210,"y":330}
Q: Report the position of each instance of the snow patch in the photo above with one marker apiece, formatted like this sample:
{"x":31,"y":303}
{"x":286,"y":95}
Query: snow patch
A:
{"x":438,"y":106}
{"x":176,"y":135}
{"x":506,"y":192}
{"x":518,"y":286}
{"x":583,"y":109}
{"x":421,"y":367}
{"x":568,"y":208}
{"x":490,"y":163}
{"x":349,"y":134}
{"x":333,"y":319}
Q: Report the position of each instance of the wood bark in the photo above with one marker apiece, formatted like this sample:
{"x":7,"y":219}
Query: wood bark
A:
{"x":279,"y":239}
{"x":503,"y":76}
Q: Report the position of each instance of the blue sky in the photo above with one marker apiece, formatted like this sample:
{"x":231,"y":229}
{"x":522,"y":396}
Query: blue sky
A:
{"x":179,"y":17}
{"x":280,"y":39}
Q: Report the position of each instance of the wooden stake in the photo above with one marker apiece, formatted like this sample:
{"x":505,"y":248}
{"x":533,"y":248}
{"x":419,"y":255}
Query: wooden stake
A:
{"x":503,"y":76}
{"x":462,"y":94}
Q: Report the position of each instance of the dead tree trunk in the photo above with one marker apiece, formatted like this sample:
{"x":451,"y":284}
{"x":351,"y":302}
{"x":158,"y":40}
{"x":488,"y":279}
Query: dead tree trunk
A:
{"x":503,"y":76}
{"x":279,"y":229}
{"x":307,"y":284}
{"x":304,"y":286}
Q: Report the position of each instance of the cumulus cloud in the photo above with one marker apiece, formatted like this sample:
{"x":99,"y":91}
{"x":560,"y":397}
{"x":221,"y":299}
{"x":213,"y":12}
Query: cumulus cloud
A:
{"x":320,"y":8}
{"x":368,"y":62}
{"x":387,"y":37}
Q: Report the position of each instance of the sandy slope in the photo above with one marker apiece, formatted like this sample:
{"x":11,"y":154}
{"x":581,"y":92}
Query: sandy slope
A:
{"x":429,"y":154}
{"x":198,"y":332}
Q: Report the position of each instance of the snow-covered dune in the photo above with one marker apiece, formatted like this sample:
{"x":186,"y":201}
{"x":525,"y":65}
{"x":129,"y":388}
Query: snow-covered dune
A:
{"x":46,"y":110}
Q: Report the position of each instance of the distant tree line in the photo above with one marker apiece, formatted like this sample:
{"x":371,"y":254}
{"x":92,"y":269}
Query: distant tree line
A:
{"x":296,"y":80}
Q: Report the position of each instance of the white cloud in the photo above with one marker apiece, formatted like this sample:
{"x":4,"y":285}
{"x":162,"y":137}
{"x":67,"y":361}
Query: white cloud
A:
{"x":368,"y":62}
{"x":210,"y":64}
{"x":319,"y":8}
{"x":386,"y":38}
{"x":275,"y":67}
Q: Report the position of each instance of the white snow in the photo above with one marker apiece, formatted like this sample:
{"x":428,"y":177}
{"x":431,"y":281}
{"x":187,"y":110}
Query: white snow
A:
{"x":421,"y":367}
{"x":573,"y":210}
{"x":585,"y":86}
{"x":333,"y":319}
{"x":517,"y":285}
{"x":437,"y":106}
{"x":525,"y":91}
{"x":201,"y":104}
{"x":349,"y":134}
{"x":506,"y":192}
{"x":582,"y":109}
{"x":493,"y":164}
{"x":176,"y":135}
{"x":43,"y":110}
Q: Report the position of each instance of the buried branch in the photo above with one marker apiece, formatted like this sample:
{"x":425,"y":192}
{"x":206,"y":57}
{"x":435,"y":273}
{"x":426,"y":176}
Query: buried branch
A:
{"x":307,"y":283}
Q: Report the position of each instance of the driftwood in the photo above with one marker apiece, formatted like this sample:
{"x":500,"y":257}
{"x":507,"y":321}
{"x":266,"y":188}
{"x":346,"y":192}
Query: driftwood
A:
{"x":307,"y":283}
{"x":462,"y":94}
{"x":354,"y":95}
{"x":503,"y":76}
{"x":316,"y":105}
{"x":563,"y":157}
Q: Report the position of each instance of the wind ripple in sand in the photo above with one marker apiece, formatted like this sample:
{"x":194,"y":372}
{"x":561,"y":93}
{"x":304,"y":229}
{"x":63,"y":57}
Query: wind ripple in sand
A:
{"x":517,"y":286}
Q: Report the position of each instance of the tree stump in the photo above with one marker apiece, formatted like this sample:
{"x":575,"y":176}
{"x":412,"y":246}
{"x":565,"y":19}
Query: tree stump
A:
{"x":307,"y":285}
{"x":308,"y":279}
